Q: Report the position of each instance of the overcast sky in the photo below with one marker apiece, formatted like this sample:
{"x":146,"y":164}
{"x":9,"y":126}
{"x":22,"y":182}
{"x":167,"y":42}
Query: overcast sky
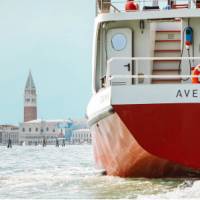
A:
{"x":53,"y":38}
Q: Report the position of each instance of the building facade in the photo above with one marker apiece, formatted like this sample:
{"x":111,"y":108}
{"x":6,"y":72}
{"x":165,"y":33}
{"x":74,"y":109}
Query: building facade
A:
{"x":30,"y":100}
{"x":37,"y":131}
{"x":9,"y":132}
{"x":81,"y":136}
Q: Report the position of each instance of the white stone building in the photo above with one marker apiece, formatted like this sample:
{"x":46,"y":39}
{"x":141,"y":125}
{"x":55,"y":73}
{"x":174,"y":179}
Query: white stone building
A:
{"x":81,"y":136}
{"x":36,"y":131}
{"x":9,"y":132}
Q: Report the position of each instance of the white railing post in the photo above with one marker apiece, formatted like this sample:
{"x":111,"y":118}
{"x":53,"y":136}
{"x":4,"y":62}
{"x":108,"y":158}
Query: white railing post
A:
{"x":136,"y":72}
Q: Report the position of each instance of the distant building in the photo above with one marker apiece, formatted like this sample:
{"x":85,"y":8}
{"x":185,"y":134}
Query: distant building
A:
{"x":30,"y":100}
{"x":73,"y":125}
{"x":9,"y":132}
{"x":80,"y":136}
{"x":79,"y":123}
{"x":36,"y":131}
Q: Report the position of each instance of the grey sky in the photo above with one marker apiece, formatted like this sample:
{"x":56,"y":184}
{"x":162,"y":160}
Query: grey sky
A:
{"x":53,"y":38}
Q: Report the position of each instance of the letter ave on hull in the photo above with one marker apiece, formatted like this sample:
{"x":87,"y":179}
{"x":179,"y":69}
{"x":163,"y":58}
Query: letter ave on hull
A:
{"x":195,"y":93}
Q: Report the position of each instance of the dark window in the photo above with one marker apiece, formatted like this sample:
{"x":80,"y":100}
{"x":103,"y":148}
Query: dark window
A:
{"x":23,"y":129}
{"x":42,"y":130}
{"x":188,"y":31}
{"x":47,"y":129}
{"x":29,"y":129}
{"x":36,"y":129}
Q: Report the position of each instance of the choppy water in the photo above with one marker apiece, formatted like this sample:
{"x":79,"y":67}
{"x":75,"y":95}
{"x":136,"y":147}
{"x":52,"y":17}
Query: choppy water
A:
{"x":36,"y":172}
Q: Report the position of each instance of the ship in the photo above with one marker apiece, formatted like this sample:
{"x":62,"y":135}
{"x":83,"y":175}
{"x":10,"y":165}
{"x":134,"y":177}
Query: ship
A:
{"x":144,"y":113}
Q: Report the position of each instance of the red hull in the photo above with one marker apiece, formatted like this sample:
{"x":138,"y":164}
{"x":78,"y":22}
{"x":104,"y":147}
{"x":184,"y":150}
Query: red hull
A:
{"x":118,"y":152}
{"x":169,"y":131}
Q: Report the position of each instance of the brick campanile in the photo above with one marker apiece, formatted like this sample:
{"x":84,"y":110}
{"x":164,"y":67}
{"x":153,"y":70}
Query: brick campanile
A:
{"x":30,"y":100}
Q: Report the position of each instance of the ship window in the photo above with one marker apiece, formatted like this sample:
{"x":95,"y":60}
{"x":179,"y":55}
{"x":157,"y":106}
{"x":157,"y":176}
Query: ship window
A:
{"x":119,"y":42}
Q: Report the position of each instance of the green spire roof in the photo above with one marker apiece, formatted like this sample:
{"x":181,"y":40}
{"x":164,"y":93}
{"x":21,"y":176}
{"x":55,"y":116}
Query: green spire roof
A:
{"x":30,"y":83}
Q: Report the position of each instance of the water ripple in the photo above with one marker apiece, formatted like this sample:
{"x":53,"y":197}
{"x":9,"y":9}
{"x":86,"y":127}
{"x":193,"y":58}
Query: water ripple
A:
{"x":60,"y":173}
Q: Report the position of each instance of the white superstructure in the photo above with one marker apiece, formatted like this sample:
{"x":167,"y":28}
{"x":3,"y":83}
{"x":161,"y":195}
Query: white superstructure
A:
{"x":141,"y":56}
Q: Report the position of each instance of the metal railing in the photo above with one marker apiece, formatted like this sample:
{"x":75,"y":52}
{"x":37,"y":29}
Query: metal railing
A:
{"x":106,"y":6}
{"x":143,"y":67}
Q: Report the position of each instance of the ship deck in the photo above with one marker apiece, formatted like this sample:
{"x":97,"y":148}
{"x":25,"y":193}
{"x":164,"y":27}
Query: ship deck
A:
{"x":150,"y":15}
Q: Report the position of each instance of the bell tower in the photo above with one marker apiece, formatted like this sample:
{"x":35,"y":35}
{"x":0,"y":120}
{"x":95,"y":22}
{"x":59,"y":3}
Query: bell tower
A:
{"x":30,"y":100}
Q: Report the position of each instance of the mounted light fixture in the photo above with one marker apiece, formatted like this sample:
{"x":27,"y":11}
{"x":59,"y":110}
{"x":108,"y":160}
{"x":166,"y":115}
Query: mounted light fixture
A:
{"x":142,"y":26}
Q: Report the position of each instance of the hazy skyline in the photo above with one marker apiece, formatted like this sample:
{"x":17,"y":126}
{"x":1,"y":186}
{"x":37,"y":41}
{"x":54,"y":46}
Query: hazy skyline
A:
{"x":53,"y":39}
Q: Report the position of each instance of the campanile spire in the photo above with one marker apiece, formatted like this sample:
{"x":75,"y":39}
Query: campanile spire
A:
{"x":30,"y":100}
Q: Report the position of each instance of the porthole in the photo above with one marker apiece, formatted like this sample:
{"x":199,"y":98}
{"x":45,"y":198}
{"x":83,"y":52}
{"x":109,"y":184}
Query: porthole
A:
{"x":119,"y":42}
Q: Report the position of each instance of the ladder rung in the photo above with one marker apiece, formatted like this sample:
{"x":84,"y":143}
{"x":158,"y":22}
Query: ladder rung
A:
{"x":167,"y":50}
{"x":168,"y":41}
{"x":167,"y":60}
{"x":165,"y":70}
{"x":168,"y":31}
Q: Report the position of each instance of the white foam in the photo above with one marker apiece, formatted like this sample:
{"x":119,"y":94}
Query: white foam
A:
{"x":187,"y":190}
